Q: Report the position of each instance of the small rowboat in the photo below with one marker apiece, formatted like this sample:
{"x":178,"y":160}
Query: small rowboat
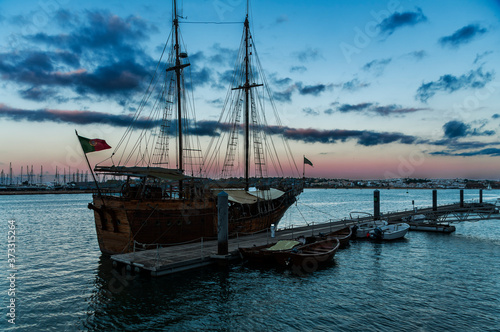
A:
{"x":264,"y":253}
{"x":343,"y":235}
{"x":308,"y":257}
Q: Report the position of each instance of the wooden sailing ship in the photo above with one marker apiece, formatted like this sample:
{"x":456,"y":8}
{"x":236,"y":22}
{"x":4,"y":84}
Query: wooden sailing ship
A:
{"x":160,"y":205}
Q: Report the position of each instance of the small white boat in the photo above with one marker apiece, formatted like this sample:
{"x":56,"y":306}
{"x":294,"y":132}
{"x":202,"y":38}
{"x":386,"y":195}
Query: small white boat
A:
{"x":390,"y":232}
{"x":363,"y":230}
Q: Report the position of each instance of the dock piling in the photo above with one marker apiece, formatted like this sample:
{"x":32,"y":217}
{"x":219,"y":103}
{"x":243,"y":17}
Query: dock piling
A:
{"x":461,"y":198}
{"x":434,"y":200}
{"x":222,"y":225}
{"x":481,"y":196}
{"x":376,"y":205}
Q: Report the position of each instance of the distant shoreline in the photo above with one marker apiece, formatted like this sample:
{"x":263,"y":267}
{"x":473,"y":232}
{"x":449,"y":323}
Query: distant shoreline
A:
{"x":90,"y":191}
{"x":45,"y":192}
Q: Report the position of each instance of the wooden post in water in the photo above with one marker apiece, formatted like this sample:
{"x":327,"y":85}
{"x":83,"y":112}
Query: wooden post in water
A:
{"x":434,"y":200}
{"x":376,"y":205}
{"x":461,"y":198}
{"x":480,"y":196}
{"x":222,"y":225}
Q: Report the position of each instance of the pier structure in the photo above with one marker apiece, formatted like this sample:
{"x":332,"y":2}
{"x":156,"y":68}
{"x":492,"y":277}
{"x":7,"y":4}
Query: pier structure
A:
{"x":164,"y":260}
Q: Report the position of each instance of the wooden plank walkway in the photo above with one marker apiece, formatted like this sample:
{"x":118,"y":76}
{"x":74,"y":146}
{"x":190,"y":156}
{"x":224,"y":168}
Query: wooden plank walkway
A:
{"x":168,"y":260}
{"x":179,"y":258}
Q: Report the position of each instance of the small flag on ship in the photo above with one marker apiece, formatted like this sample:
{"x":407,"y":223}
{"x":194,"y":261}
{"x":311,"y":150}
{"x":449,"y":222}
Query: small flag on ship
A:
{"x":92,"y":145}
{"x":307,"y":161}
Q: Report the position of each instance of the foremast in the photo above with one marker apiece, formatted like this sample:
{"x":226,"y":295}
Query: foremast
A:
{"x":178,"y":72}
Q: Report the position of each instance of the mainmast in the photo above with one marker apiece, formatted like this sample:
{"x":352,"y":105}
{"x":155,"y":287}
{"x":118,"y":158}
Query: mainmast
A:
{"x":247,"y":86}
{"x":178,"y":69}
{"x":247,"y":107}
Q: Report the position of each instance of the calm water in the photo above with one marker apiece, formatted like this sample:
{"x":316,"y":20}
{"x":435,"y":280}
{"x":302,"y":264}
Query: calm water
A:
{"x":427,"y":282}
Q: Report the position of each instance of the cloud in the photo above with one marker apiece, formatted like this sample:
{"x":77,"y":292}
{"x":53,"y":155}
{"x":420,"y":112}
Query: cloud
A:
{"x":353,"y":85}
{"x":298,"y":69}
{"x":462,"y":36}
{"x":309,"y":55}
{"x":480,"y":56}
{"x":373,"y":108}
{"x":102,"y":56}
{"x":377,"y":67}
{"x":474,"y":79}
{"x":398,"y":20}
{"x":282,"y":19}
{"x":221,"y":55}
{"x":310,"y":111}
{"x":454,"y":129}
{"x":314,"y":90}
{"x":457,"y":129}
{"x":490,"y":152}
{"x":418,"y":55}
{"x":100,"y":31}
{"x":74,"y":117}
{"x":362,"y":137}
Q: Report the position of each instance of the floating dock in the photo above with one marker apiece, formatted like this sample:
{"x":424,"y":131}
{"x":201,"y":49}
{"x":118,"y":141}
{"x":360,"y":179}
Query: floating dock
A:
{"x":173,"y":259}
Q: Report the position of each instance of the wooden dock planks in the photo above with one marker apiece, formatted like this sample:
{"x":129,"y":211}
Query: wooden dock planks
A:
{"x":168,"y":260}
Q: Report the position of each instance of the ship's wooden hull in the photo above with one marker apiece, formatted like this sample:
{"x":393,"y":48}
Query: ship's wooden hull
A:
{"x":124,"y":224}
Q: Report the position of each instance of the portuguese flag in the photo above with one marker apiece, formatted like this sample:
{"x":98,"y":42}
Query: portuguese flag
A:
{"x":91,"y":145}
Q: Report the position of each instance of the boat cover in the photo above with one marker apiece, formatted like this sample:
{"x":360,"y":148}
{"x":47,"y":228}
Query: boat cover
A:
{"x":249,"y":197}
{"x":284,"y":245}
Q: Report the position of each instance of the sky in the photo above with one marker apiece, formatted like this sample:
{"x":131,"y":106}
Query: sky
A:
{"x":364,"y":89}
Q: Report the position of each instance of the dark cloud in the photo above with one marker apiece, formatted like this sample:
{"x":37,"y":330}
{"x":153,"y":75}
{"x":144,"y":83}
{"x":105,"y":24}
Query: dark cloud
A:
{"x":281,"y":81}
{"x":489,"y":152}
{"x":475,"y":79}
{"x":454,"y":129}
{"x":463,"y":35}
{"x":101,"y":31}
{"x":284,"y":96}
{"x":362,"y":137}
{"x":37,"y":94}
{"x":314,"y":90}
{"x":371,"y":108}
{"x":346,"y":108}
{"x":457,"y":129}
{"x":74,"y":117}
{"x":398,"y":20}
{"x":102,"y":56}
